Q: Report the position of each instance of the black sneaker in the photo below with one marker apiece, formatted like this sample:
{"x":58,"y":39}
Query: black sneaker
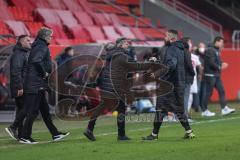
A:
{"x":60,"y":136}
{"x":89,"y":135}
{"x":27,"y":141}
{"x":123,"y":138}
{"x":150,"y":137}
{"x":189,"y":135}
{"x":12,"y":132}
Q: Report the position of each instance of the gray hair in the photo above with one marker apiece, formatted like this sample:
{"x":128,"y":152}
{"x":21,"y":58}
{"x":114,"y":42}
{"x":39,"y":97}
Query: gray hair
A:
{"x":44,"y":32}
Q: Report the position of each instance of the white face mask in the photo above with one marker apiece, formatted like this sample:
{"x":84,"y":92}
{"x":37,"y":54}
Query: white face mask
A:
{"x":201,"y":50}
{"x":190,"y":45}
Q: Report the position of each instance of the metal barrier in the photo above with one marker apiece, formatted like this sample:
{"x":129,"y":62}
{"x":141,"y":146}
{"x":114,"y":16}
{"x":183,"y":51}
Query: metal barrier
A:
{"x":194,"y":15}
{"x":236,"y":39}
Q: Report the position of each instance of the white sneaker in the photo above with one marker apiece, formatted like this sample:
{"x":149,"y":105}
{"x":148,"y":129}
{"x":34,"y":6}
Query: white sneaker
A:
{"x":227,"y":110}
{"x":208,"y":113}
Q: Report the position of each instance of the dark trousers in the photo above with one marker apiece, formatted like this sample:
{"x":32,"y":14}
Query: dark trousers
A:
{"x":18,"y":122}
{"x":173,"y":102}
{"x":210,"y":83}
{"x":33,"y":104}
{"x":120,"y":119}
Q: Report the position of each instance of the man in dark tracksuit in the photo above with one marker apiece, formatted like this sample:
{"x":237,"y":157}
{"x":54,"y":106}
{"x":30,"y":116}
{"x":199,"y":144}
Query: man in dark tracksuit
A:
{"x":212,"y":78}
{"x":174,"y":101}
{"x":18,"y":65}
{"x":35,"y":86}
{"x":117,"y":63}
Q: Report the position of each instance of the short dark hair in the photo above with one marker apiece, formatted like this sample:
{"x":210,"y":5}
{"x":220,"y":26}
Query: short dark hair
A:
{"x":21,"y":37}
{"x":218,"y":38}
{"x":66,"y":50}
{"x":173,"y":31}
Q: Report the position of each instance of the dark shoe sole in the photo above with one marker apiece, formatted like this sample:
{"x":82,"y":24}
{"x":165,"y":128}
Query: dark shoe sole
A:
{"x":88,"y":137}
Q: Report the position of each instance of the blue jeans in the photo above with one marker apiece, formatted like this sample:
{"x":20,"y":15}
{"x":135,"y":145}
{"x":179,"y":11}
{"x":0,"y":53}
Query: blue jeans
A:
{"x":210,"y":83}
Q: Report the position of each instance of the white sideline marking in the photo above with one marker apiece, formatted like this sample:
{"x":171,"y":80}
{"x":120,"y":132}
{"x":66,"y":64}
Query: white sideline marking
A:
{"x":135,"y":130}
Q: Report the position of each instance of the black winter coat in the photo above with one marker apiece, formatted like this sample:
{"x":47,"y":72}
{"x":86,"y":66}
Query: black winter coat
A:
{"x":174,"y":60}
{"x":39,"y":62}
{"x":212,"y":61}
{"x":18,"y":66}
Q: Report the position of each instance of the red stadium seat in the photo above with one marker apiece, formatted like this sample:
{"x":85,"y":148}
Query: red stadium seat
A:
{"x":79,"y":41}
{"x":21,"y":13}
{"x":111,"y":33}
{"x":26,"y":3}
{"x":102,"y":19}
{"x":79,"y":32}
{"x":111,"y":9}
{"x":34,"y":27}
{"x":40,"y":3}
{"x":86,"y":6}
{"x":126,"y":20}
{"x":67,"y":18}
{"x":95,"y":33}
{"x":84,"y":18}
{"x":63,"y":41}
{"x":4,"y":29}
{"x":128,"y":2}
{"x":125,"y":32}
{"x":48,"y":16}
{"x":17,"y":27}
{"x":152,"y":33}
{"x":57,"y":31}
{"x":6,"y":14}
{"x":56,"y":4}
{"x":114,"y":20}
{"x":72,"y":5}
{"x":138,"y":34}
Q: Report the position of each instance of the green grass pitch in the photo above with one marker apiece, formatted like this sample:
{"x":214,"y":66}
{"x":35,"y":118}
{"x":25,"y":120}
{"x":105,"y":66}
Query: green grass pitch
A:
{"x":218,"y":138}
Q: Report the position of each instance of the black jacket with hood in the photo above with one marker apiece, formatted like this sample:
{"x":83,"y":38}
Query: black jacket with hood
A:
{"x":18,"y":66}
{"x":39,"y":63}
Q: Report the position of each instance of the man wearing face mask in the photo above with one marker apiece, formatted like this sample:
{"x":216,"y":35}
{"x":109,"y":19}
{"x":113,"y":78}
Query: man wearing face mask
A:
{"x":18,"y":65}
{"x":197,"y":98}
{"x":36,"y":85}
{"x":213,"y":66}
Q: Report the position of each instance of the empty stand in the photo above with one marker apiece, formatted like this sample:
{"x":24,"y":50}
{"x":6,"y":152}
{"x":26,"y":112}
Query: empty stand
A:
{"x":95,"y":33}
{"x":72,"y":5}
{"x":83,"y":18}
{"x":48,"y":16}
{"x":111,"y":33}
{"x":125,"y":32}
{"x":67,"y":18}
{"x":17,"y":27}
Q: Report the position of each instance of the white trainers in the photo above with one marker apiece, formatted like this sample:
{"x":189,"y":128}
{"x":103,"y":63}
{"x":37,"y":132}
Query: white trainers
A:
{"x":208,"y":113}
{"x":227,"y":110}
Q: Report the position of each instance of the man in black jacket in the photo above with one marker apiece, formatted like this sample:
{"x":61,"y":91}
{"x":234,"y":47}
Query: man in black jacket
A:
{"x":113,"y":80}
{"x":35,"y":86}
{"x":174,"y":101}
{"x":213,"y":66}
{"x":18,"y":65}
